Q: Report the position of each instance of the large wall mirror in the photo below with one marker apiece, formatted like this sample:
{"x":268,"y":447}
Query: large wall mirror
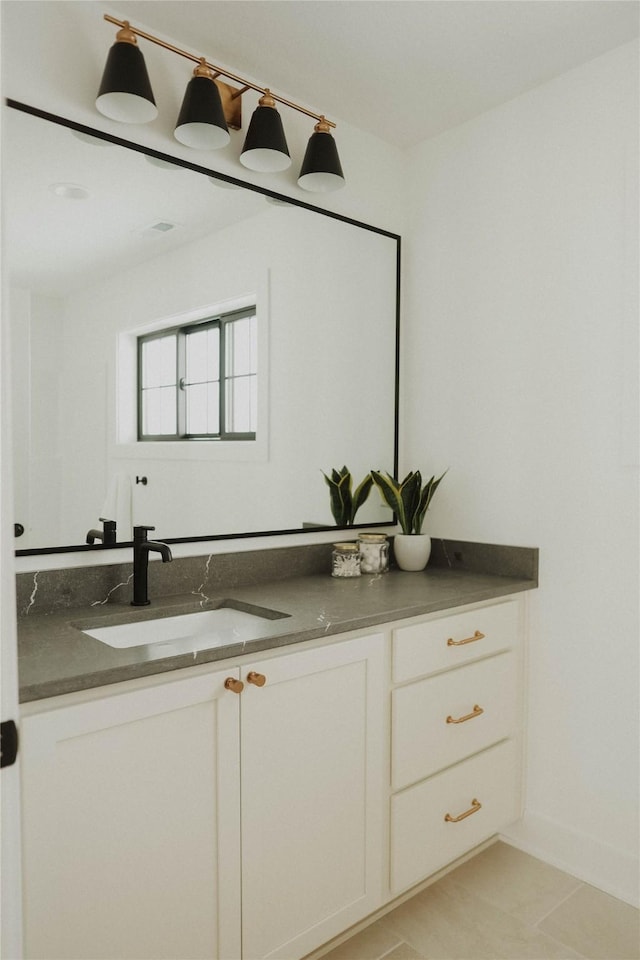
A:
{"x":105,"y":242}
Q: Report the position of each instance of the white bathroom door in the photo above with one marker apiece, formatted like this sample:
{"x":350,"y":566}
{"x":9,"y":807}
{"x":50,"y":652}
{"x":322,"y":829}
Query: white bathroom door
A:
{"x":10,"y":854}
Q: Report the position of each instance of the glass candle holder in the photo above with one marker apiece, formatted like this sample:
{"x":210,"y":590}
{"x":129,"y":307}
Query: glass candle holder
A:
{"x":345,"y":560}
{"x":374,"y":552}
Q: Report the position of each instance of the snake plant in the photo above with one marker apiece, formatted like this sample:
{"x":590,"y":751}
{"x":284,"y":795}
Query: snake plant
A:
{"x":345,"y":502}
{"x":408,"y":498}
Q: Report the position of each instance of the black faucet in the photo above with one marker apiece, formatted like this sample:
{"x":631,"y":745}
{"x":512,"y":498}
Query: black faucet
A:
{"x":107,"y":534}
{"x":141,"y":550}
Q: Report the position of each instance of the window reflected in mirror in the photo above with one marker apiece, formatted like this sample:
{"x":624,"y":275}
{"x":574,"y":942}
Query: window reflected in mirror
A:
{"x":200,"y":381}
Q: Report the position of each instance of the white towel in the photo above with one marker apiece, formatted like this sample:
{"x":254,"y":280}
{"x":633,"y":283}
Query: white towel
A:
{"x":117,"y":505}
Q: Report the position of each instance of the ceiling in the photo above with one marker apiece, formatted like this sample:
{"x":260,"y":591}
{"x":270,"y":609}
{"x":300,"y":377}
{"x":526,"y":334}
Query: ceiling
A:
{"x":404,"y":70}
{"x":55,"y":244}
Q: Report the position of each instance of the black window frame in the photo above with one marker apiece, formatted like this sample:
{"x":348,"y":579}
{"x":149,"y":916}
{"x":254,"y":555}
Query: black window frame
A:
{"x":181,"y":332}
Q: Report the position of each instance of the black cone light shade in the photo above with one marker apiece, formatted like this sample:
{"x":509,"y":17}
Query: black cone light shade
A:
{"x":321,"y":170}
{"x":265,"y":147}
{"x":210,"y":106}
{"x":125,"y":92}
{"x":201,"y":123}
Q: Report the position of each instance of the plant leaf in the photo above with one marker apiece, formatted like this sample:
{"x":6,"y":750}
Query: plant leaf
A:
{"x":410,"y":494}
{"x":426,"y":497}
{"x":361,"y":493}
{"x":334,"y":501}
{"x":336,"y":496}
{"x":337,"y":475}
{"x":344,"y":490}
{"x":390,"y":491}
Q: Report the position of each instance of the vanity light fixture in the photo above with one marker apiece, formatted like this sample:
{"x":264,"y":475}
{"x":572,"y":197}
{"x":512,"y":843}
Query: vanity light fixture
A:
{"x":201,"y":123}
{"x":321,"y":170}
{"x":212,"y":106}
{"x":125,"y":92}
{"x":265,"y":147}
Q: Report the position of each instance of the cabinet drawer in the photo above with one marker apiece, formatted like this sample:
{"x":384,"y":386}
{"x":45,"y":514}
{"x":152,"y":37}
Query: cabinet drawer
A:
{"x":480,"y":702}
{"x":450,"y":641}
{"x":423,"y":841}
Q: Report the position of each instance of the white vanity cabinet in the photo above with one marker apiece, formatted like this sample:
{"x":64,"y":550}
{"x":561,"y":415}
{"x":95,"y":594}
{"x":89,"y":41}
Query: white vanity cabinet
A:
{"x":258,"y":808}
{"x":456,"y":736}
{"x":185,"y":820}
{"x":131,"y":823}
{"x":314,"y":774}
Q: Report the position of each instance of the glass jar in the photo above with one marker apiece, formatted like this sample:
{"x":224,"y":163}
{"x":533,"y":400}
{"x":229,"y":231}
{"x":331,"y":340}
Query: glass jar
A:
{"x":374,"y":552}
{"x":345,"y":560}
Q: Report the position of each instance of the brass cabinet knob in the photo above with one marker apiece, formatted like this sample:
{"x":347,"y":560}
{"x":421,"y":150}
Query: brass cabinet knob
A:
{"x":236,"y":686}
{"x":258,"y":679}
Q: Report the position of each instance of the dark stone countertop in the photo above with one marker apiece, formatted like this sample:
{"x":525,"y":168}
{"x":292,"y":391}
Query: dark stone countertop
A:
{"x":56,"y":657}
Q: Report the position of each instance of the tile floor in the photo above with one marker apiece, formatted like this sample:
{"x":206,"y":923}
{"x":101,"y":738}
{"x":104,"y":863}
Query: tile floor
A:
{"x":501,"y":905}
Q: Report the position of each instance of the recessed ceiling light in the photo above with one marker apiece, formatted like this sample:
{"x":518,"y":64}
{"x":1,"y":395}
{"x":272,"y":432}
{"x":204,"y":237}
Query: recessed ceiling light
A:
{"x":225,"y":184}
{"x":89,"y":138}
{"x":277,"y":201}
{"x":70,"y":191}
{"x":159,"y":162}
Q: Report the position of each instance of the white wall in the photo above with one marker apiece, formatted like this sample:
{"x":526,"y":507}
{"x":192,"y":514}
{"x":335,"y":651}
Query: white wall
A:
{"x":520,"y":365}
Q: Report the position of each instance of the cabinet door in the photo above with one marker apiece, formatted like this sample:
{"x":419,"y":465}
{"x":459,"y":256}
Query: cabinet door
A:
{"x":313,"y":774}
{"x":129,"y":803}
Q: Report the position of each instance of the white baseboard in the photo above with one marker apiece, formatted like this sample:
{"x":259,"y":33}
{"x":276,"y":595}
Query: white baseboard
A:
{"x":614,"y":871}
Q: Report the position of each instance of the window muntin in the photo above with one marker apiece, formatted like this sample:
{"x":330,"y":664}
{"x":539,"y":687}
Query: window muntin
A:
{"x":241,"y":387}
{"x":199,"y":381}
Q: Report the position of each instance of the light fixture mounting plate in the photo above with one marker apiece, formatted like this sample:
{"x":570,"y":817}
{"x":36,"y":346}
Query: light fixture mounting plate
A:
{"x":231,"y":104}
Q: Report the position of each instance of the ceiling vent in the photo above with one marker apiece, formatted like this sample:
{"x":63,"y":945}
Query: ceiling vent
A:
{"x":158,"y":227}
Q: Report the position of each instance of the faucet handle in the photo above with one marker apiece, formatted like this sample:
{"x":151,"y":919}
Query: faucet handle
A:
{"x":140,"y":533}
{"x":108,"y":530}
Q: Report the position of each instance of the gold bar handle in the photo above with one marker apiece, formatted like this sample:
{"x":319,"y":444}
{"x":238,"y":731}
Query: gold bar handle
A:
{"x":458,"y":643}
{"x":475,"y":806}
{"x":476,"y":712}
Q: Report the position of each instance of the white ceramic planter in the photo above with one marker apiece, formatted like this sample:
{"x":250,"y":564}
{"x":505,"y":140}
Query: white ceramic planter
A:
{"x":412,"y":550}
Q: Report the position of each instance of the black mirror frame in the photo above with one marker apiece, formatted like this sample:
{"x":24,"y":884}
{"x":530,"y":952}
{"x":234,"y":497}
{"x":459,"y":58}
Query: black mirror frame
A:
{"x":198,"y":168}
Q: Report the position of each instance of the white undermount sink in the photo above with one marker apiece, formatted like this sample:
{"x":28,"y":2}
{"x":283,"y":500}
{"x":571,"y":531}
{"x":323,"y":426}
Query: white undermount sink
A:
{"x":218,"y":627}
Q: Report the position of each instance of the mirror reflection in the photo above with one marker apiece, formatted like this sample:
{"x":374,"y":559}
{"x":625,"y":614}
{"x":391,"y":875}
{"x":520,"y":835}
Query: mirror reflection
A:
{"x":105,"y":245}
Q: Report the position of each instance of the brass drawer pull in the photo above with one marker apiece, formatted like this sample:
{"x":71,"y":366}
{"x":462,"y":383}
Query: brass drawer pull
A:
{"x":458,"y":643}
{"x":476,"y":712}
{"x":258,"y":679}
{"x":236,"y":686}
{"x":475,"y":806}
